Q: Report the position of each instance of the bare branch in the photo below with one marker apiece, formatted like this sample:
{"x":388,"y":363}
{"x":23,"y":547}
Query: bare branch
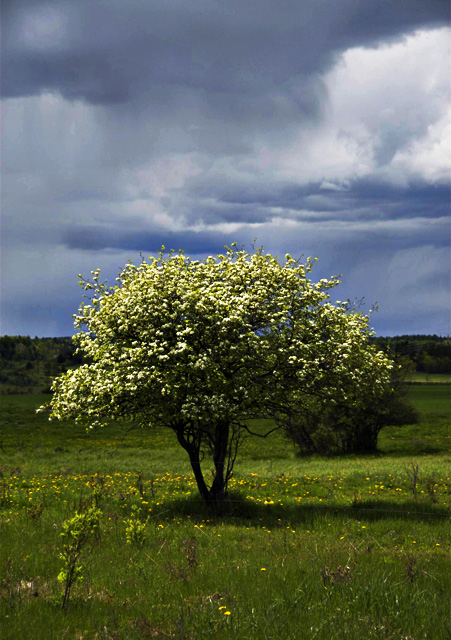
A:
{"x":259,"y":435}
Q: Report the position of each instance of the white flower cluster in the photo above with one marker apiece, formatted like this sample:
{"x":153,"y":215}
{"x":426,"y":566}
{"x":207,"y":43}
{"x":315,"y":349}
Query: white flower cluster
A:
{"x":218,"y":340}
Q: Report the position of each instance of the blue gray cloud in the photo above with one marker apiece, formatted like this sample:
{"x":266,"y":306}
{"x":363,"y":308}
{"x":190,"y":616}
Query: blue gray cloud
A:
{"x":110,"y":53}
{"x":318,"y":127}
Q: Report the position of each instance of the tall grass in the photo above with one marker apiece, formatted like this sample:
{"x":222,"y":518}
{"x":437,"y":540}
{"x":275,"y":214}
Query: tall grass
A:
{"x":344,"y":547}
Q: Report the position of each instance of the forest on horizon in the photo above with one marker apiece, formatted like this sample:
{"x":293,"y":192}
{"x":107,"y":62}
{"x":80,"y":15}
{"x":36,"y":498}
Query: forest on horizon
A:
{"x":28,"y":365}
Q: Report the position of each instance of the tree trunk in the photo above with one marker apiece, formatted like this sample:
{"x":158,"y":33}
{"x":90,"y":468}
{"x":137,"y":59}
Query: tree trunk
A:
{"x":194,"y":458}
{"x":201,"y":485}
{"x":218,"y":488}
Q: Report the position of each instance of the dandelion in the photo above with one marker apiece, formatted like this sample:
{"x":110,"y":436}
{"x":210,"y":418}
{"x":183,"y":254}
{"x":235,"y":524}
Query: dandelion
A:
{"x":226,"y":613}
{"x":263,"y":569}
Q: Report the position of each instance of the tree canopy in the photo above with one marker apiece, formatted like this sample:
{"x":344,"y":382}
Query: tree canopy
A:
{"x":200,"y":347}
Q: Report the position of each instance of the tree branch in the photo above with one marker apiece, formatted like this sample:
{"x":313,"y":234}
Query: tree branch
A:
{"x":259,"y":435}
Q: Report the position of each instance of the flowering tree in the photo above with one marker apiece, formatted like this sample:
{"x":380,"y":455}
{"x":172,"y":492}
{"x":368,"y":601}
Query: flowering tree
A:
{"x":201,"y":347}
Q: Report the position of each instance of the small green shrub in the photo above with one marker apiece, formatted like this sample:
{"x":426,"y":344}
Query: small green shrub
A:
{"x":77,"y":532}
{"x":135,"y":532}
{"x":98,"y":489}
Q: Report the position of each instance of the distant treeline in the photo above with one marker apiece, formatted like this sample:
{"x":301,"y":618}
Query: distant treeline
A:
{"x":28,"y":365}
{"x":430,"y":354}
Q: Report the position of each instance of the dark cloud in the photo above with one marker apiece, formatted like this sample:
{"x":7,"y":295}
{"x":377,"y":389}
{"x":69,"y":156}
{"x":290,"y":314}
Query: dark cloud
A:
{"x":114,"y":52}
{"x":364,"y":199}
{"x":129,"y":125}
{"x":95,"y":238}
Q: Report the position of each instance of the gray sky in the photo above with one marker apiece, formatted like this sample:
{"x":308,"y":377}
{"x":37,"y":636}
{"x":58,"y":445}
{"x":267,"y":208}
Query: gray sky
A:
{"x":320,"y":128}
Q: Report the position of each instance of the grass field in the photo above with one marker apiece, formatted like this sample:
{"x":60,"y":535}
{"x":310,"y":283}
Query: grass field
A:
{"x":345,"y":547}
{"x":418,"y":377}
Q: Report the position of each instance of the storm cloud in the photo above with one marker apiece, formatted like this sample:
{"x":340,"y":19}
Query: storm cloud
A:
{"x":318,"y":127}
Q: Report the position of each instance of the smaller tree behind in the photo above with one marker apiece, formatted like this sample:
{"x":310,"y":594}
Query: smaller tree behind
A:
{"x":352,"y":426}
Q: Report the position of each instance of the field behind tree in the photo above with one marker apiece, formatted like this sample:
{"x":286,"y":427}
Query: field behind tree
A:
{"x":343,"y":547}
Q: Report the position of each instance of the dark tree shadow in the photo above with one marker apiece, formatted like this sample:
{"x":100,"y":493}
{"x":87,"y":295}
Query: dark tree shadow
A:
{"x":238,"y":510}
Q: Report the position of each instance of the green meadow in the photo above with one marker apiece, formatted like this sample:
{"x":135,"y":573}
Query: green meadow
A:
{"x":420,"y":377}
{"x":354,"y":547}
